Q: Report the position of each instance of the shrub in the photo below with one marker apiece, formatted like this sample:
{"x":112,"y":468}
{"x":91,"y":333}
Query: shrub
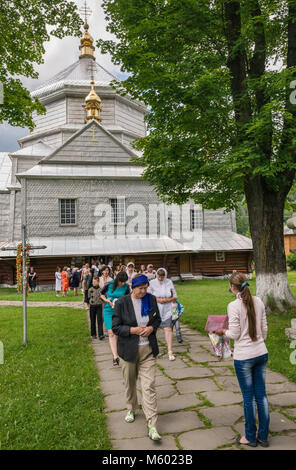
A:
{"x":291,"y":261}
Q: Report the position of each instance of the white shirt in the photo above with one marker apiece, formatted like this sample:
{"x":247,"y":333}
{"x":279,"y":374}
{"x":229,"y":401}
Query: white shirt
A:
{"x":142,"y":321}
{"x":166,"y":290}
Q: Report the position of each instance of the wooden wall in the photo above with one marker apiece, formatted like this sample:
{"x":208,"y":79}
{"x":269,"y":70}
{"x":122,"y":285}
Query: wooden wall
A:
{"x":205,"y":263}
{"x":290,"y":243}
{"x":202,"y":264}
{"x":7,"y":272}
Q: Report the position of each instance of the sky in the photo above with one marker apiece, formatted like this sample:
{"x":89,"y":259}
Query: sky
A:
{"x":60,"y":53}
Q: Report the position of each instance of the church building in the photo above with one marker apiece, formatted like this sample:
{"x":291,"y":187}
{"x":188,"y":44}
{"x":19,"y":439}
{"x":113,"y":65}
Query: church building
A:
{"x":73,"y":185}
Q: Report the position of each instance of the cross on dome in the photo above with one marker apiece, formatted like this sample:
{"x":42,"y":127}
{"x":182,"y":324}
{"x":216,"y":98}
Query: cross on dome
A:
{"x":86,"y":43}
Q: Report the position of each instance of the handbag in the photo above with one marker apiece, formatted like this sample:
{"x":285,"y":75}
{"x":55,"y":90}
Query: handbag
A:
{"x":221,"y":346}
{"x":215,"y":322}
{"x":177,"y":311}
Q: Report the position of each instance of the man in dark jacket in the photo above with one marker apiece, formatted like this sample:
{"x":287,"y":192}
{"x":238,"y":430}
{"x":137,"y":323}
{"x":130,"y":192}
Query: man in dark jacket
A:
{"x":135,"y":322}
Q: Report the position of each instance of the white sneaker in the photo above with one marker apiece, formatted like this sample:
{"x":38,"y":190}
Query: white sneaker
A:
{"x":130,"y":416}
{"x":153,"y":433}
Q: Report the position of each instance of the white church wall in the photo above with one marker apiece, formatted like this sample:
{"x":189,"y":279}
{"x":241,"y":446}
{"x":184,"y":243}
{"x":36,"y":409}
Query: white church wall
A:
{"x":4,"y":216}
{"x":76,"y":111}
{"x":130,"y":118}
{"x":25,"y":163}
{"x":54,"y":117}
{"x":43,"y":204}
{"x":17,"y":217}
{"x":218,"y":220}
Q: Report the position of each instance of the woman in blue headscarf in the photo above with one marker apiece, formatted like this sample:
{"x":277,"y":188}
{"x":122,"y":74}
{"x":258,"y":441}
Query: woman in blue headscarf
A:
{"x":135,"y":322}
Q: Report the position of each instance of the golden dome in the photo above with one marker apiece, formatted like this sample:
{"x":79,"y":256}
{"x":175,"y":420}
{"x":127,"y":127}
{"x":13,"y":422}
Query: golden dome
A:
{"x":86,"y":48}
{"x":93,"y":105}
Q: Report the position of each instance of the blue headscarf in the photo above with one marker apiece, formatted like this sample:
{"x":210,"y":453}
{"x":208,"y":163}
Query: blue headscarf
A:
{"x":146,"y":300}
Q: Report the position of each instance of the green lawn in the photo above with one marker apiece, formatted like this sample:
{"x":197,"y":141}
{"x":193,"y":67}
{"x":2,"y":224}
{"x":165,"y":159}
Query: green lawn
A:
{"x":46,"y":296}
{"x":49,"y":393}
{"x":203,"y":298}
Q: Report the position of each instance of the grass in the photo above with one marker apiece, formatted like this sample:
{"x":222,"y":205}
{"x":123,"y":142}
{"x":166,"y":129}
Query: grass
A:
{"x":46,"y":296}
{"x":211,"y":297}
{"x":49,"y":396}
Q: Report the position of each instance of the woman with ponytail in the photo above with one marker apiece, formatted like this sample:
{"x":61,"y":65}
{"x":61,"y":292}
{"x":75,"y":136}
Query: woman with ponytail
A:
{"x":248,"y":328}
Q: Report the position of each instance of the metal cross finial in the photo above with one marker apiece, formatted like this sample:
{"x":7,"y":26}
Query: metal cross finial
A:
{"x":85,"y":11}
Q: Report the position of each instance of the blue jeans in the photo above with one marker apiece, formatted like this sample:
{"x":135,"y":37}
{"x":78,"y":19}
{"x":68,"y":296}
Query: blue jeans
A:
{"x":251,"y":377}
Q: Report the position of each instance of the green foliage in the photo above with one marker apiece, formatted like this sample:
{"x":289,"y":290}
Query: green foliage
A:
{"x":291,"y":261}
{"x":178,"y":54}
{"x":242,"y":219}
{"x":50,"y":396}
{"x":25,"y":27}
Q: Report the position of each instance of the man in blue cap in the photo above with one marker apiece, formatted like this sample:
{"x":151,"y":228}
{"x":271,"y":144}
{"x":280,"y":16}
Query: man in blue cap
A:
{"x":135,"y":322}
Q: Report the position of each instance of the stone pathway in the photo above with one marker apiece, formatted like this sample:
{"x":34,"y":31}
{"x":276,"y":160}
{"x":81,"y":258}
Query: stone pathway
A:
{"x":19,"y":303}
{"x":199,"y":401}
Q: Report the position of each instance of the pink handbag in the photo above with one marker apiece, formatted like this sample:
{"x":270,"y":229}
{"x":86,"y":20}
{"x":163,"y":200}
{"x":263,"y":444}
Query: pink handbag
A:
{"x":215,"y":322}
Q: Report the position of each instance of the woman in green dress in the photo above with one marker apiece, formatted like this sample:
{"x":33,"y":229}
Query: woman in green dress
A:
{"x":110,"y":293}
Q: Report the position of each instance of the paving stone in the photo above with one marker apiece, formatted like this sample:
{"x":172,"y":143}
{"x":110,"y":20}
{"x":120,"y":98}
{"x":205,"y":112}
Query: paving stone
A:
{"x":110,"y":375}
{"x":103,"y":357}
{"x":178,"y":402}
{"x":222,"y":371}
{"x":111,"y":387}
{"x":201,"y":357}
{"x":181,"y":347}
{"x":166,"y":443}
{"x":197,"y":385}
{"x":280,"y":388}
{"x":223,"y":415}
{"x":118,"y":401}
{"x":284,"y":399}
{"x":274,"y":377}
{"x":162,"y":380}
{"x":282,"y":443}
{"x":279,"y":423}
{"x":165,"y":391}
{"x":291,"y":412}
{"x":223,"y":398}
{"x":177,"y":364}
{"x":206,"y":439}
{"x":107,"y":365}
{"x":178,"y":422}
{"x":193,"y":371}
{"x":228,"y":383}
{"x":119,"y":429}
{"x":216,"y":363}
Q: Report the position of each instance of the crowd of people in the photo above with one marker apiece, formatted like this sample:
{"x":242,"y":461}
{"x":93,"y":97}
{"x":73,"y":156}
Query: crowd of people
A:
{"x":134,"y":304}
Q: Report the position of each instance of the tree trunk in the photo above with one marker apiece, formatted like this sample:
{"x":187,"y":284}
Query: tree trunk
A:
{"x":266,"y":210}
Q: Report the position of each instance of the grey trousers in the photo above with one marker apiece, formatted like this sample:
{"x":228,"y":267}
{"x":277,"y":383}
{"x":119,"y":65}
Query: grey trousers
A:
{"x":145,"y":368}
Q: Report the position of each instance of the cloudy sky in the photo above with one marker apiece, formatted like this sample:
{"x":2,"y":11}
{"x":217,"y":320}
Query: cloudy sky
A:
{"x":60,"y":53}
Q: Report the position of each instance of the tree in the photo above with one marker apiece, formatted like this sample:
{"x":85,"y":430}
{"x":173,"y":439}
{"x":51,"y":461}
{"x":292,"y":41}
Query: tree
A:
{"x":24,"y":30}
{"x":222,"y":121}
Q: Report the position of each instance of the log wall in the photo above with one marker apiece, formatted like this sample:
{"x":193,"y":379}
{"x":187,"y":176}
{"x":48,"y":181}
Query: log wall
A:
{"x":203,"y":264}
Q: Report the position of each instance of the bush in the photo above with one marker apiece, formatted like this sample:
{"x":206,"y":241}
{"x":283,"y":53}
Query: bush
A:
{"x":291,"y":261}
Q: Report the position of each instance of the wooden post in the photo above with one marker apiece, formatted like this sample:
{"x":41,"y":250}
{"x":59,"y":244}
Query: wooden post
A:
{"x":24,"y":279}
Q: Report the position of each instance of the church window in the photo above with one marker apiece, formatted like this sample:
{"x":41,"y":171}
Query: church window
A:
{"x":117,"y":211}
{"x":196,"y":219}
{"x":68,"y":211}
